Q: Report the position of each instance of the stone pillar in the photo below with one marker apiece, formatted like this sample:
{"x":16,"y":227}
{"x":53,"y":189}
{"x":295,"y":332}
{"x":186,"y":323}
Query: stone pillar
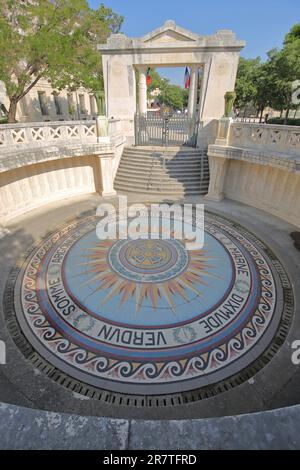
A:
{"x":217,"y":168}
{"x":143,"y":90}
{"x":193,"y":91}
{"x":223,"y":131}
{"x":106,"y":175}
{"x":102,"y":129}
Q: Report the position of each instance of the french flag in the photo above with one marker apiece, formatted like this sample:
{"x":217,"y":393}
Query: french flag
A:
{"x":149,"y":78}
{"x":187,"y":79}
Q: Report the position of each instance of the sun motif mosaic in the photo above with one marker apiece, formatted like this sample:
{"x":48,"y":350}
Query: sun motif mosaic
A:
{"x":147,"y":316}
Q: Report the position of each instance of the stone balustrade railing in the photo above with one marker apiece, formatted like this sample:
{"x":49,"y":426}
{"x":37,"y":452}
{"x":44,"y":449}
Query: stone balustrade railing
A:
{"x":265,"y":137}
{"x":39,"y":134}
{"x":45,"y":162}
{"x":30,"y":135}
{"x":257,"y":165}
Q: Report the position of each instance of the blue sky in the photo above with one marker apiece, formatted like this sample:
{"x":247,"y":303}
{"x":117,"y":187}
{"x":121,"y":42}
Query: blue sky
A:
{"x":262,"y":23}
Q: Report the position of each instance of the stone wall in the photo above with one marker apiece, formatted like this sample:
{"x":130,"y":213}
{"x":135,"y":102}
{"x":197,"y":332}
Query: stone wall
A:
{"x":45,"y":162}
{"x":258,"y":165}
{"x":273,"y":190}
{"x":29,"y":187}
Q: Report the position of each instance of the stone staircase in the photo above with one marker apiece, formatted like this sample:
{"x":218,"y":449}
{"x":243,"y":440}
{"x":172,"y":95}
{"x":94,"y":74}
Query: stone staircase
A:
{"x":173,"y":171}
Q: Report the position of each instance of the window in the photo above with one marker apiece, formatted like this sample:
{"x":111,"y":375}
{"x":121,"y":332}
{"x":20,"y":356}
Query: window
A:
{"x":82,"y":104}
{"x":43,"y":103}
{"x":92,"y":105}
{"x":57,"y":104}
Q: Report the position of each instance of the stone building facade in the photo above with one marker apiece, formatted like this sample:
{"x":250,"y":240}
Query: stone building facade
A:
{"x":43,"y":104}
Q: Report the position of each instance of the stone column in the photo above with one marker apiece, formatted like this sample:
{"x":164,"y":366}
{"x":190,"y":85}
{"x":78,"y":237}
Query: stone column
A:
{"x":217,"y":168}
{"x":193,"y":91}
{"x":106,"y":175}
{"x":143,"y":90}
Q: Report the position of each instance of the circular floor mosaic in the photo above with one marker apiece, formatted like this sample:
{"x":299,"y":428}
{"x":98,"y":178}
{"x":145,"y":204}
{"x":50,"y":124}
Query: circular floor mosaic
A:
{"x":148,"y":316}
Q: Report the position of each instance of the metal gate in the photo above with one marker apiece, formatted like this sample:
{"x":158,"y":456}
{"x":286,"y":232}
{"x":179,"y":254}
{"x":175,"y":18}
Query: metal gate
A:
{"x":165,"y":130}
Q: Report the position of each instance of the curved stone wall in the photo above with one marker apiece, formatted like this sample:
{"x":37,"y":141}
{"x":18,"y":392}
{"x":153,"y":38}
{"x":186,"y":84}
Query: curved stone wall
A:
{"x":29,"y":187}
{"x":273,"y":190}
{"x":45,"y":162}
{"x":258,"y":165}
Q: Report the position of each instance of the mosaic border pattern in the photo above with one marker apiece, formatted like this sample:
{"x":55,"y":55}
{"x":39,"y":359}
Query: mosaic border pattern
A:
{"x":165,"y":400}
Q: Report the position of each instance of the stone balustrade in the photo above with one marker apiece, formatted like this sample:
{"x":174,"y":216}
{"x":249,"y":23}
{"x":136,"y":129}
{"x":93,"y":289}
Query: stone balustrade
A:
{"x":44,"y":162}
{"x":273,"y":138}
{"x":21,"y":136}
{"x":258,"y":165}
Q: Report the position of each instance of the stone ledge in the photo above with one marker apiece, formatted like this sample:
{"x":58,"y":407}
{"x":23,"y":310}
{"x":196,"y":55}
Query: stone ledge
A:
{"x":25,"y":428}
{"x":274,"y":159}
{"x":25,"y":157}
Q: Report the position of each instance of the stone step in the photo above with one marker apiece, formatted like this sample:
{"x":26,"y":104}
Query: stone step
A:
{"x":148,"y":151}
{"x":174,"y":168}
{"x":164,"y":187}
{"x":177,"y":194}
{"x":171,"y":158}
{"x":137,"y":172}
{"x":157,"y":172}
{"x":182,"y":172}
{"x":159,"y":181}
{"x":178,"y":158}
{"x":168,"y":164}
{"x":168,"y":149}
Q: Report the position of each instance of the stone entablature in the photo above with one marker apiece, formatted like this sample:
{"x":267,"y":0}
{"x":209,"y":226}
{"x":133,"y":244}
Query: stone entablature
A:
{"x":258,"y":165}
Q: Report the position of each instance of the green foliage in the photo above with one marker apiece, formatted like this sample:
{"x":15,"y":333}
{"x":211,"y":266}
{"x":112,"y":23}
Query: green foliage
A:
{"x":157,"y":82}
{"x":290,"y":121}
{"x":271,"y":83}
{"x":172,"y":96}
{"x":53,"y":39}
{"x":293,"y":35}
{"x":245,"y":87}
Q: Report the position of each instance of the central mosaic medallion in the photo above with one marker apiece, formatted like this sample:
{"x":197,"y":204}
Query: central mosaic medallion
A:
{"x":147,"y":316}
{"x":148,"y":260}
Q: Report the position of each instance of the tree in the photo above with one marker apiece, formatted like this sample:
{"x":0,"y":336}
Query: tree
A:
{"x":52,"y":39}
{"x":245,"y":83}
{"x":263,"y":81}
{"x":284,"y":68}
{"x":293,"y":35}
{"x":157,"y":82}
{"x":172,"y":96}
{"x":271,"y":83}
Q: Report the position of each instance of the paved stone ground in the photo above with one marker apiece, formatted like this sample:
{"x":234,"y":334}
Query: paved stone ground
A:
{"x":276,"y":385}
{"x":23,"y":428}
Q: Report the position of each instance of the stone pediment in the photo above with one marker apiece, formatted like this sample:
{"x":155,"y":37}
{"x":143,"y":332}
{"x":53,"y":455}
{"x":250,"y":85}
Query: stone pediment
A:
{"x":169,"y":33}
{"x":173,"y":37}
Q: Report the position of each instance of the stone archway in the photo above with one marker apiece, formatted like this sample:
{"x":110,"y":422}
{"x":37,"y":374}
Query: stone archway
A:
{"x":169,"y":45}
